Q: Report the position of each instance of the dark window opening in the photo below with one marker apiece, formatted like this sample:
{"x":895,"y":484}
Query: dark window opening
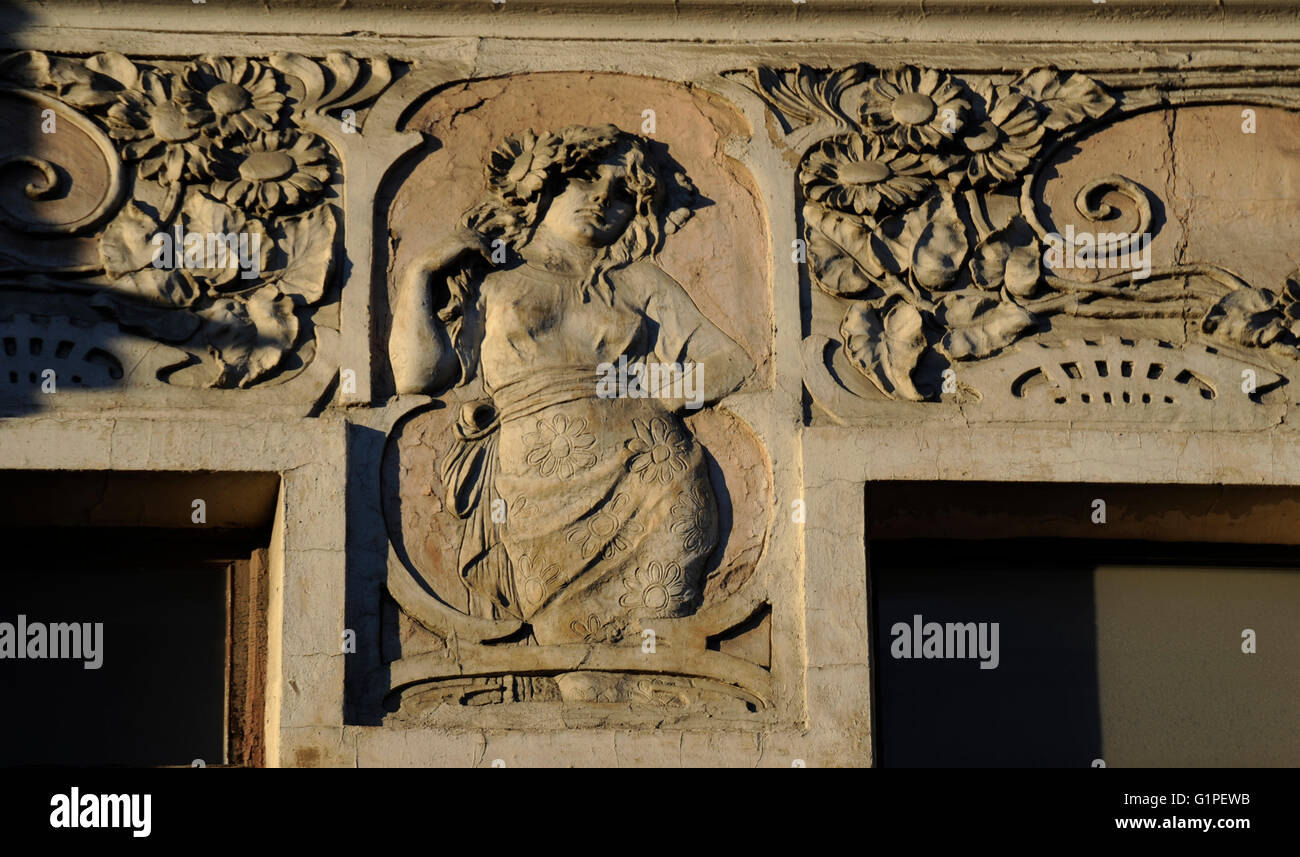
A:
{"x":171,"y":613}
{"x":1122,"y":643}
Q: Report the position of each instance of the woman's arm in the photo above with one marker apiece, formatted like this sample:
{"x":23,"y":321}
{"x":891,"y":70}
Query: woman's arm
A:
{"x":714,"y":363}
{"x":418,"y":348}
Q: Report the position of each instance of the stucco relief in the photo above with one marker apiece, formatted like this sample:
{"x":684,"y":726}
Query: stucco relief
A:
{"x":1022,"y":241}
{"x":574,"y":515}
{"x":189,"y":203}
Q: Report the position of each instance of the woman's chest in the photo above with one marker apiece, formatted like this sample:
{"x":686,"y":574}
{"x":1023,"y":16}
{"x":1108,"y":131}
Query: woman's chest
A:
{"x":536,"y":314}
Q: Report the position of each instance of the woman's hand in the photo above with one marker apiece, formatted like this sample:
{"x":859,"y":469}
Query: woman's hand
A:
{"x":450,"y":250}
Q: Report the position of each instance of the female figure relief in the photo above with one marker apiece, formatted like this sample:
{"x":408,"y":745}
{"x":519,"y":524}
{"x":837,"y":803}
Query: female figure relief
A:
{"x":609,"y":516}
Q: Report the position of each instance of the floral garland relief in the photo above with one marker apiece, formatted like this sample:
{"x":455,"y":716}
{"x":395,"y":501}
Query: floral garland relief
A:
{"x":902,"y":173}
{"x":212,"y":147}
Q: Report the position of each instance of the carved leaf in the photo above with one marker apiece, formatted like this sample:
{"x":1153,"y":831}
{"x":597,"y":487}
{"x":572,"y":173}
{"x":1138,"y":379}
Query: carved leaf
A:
{"x":159,"y":286}
{"x":805,"y":96}
{"x":71,"y":80}
{"x":117,"y":67}
{"x":126,"y":244}
{"x":893,"y":241}
{"x":272,"y":314}
{"x":340,"y":81}
{"x":345,"y":72}
{"x":308,"y":71}
{"x":80,"y":88}
{"x":249,"y":335}
{"x":381,"y":74}
{"x":988,"y":264}
{"x":1292,"y":289}
{"x":1067,"y":100}
{"x":979,"y":325}
{"x":838,"y":252}
{"x":886,"y":350}
{"x":848,"y":259}
{"x":309,"y":243}
{"x":941,"y":248}
{"x":1009,"y":256}
{"x":1024,"y":268}
{"x":27,"y":68}
{"x":1289,"y":302}
{"x":208,"y":217}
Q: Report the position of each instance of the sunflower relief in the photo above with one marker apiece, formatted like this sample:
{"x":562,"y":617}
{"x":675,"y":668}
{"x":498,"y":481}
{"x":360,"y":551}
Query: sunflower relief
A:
{"x":923,"y":224}
{"x":213,"y":225}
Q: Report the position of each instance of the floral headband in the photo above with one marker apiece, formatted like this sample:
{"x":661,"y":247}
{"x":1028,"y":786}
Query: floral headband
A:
{"x":520,"y":167}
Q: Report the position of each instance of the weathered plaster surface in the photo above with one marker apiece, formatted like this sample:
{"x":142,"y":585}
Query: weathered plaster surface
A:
{"x":798,"y":448}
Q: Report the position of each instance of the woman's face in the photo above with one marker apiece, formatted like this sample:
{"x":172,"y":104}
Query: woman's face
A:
{"x":594,"y":208}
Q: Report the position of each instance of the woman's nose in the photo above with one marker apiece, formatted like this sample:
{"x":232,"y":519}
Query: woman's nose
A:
{"x":600,"y":190}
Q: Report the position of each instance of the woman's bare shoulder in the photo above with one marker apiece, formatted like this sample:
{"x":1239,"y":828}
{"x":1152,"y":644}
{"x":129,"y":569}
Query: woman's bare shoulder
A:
{"x":498,"y":280}
{"x":646,"y":279}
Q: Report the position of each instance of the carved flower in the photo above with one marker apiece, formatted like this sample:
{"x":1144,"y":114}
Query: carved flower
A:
{"x":660,"y":451}
{"x":593,"y":629}
{"x":560,"y":448}
{"x":998,"y":146}
{"x":162,"y":124}
{"x":656,"y":588}
{"x":533,"y":580}
{"x":241,"y":94}
{"x":694,"y":519}
{"x":915,"y":107}
{"x":578,"y":142}
{"x":517,"y":168}
{"x":861,"y":176}
{"x":522,"y":510}
{"x":606,"y":527}
{"x":273,"y":171}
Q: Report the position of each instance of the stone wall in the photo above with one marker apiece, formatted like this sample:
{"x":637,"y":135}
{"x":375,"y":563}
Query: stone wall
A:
{"x":855,"y":243}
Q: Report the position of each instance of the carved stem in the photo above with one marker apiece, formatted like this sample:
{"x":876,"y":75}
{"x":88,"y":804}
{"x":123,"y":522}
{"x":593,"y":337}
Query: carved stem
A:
{"x":1226,"y":280}
{"x":1097,"y":210}
{"x":1088,"y":202}
{"x":1057,"y":301}
{"x":1088,"y":311}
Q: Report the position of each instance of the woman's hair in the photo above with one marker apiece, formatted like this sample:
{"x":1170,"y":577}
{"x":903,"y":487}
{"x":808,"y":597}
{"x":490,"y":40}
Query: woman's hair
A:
{"x":528,"y":170}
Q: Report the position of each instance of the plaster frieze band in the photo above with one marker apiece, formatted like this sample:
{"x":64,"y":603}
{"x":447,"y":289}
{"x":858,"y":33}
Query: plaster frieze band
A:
{"x":924,"y":217}
{"x":195,"y":204}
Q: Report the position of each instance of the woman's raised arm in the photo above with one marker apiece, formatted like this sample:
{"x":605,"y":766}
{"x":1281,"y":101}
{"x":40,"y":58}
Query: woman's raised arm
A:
{"x":418,"y":348}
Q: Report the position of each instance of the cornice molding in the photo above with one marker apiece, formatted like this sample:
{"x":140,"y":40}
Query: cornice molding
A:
{"x":691,"y":20}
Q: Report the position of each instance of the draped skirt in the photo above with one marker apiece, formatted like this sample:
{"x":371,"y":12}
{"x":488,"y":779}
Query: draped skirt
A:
{"x":587,"y":517}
